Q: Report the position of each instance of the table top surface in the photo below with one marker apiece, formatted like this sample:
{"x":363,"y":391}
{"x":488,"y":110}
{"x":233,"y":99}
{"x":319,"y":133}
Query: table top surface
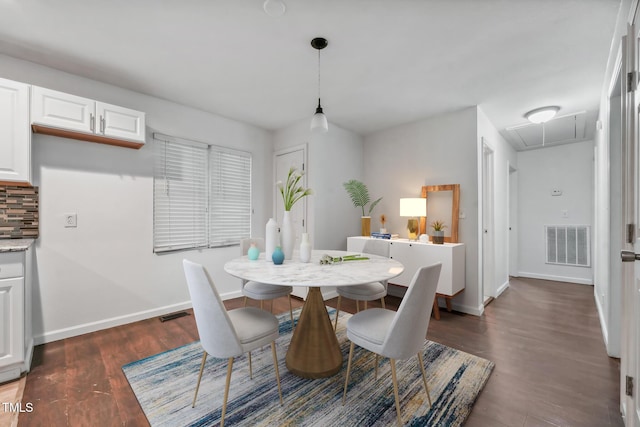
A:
{"x":293,"y":272}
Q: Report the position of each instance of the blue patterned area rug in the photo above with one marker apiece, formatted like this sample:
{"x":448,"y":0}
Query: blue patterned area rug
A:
{"x":164,"y":385}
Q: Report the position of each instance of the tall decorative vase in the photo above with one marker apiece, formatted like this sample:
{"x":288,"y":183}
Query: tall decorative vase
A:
{"x":288,"y":235}
{"x":366,"y":226}
{"x":305,"y":248}
{"x":272,"y":238}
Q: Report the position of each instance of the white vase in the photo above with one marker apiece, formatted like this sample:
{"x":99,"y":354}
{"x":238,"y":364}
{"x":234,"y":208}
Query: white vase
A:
{"x":272,"y":239}
{"x":305,"y":248}
{"x":287,"y":235}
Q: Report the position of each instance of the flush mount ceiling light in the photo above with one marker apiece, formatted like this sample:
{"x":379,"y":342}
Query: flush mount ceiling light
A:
{"x":274,"y":8}
{"x":541,"y":115}
{"x":319,"y":120}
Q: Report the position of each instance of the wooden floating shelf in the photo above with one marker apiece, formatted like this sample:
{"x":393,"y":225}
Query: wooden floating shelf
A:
{"x":86,"y":137}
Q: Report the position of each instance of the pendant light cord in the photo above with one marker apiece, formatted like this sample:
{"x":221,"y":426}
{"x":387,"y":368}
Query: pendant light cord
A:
{"x":318,"y":76}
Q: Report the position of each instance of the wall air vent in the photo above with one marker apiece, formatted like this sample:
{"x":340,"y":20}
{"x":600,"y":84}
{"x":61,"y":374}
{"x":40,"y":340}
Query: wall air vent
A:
{"x":568,"y":245}
{"x":561,"y":130}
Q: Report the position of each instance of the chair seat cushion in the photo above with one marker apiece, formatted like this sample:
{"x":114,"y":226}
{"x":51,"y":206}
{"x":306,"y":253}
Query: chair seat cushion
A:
{"x":368,"y":329}
{"x":253,"y":326}
{"x":365,"y":292}
{"x":263,"y":291}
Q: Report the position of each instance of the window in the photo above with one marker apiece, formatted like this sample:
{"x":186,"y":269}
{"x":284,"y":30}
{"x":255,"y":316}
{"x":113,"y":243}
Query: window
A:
{"x":202,"y":195}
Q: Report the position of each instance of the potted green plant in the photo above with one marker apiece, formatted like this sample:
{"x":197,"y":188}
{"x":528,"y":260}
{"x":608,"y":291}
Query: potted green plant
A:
{"x":359,"y":194}
{"x":437,"y":235}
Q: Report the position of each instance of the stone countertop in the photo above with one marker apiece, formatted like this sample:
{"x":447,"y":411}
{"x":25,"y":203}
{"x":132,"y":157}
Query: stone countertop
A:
{"x":15,"y":245}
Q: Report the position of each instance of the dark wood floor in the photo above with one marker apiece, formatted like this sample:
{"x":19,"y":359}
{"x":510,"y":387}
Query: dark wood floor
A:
{"x":544,"y":337}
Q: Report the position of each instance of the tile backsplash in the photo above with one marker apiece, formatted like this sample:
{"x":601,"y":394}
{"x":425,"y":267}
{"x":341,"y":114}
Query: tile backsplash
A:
{"x":19,"y":216}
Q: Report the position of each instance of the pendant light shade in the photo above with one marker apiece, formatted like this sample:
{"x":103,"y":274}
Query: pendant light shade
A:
{"x":319,"y":120}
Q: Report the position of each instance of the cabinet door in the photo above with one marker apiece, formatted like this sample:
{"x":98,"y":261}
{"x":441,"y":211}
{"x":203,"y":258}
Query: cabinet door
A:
{"x":410,"y":257}
{"x":61,"y":110}
{"x":11,"y":321}
{"x":120,"y":122}
{"x":15,"y":135}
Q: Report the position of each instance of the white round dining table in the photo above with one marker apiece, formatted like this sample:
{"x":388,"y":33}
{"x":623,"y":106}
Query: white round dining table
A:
{"x":314,"y":351}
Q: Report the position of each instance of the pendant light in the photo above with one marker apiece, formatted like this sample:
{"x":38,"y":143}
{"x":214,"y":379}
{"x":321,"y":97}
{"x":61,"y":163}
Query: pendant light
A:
{"x":319,"y":120}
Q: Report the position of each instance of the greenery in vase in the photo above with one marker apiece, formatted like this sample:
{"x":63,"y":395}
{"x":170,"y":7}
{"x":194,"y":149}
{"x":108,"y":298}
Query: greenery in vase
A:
{"x":438,"y":226}
{"x":360,"y":195}
{"x":292,"y":190}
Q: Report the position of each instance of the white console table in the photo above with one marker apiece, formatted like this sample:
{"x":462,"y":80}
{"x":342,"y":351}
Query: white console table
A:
{"x":414,"y":255}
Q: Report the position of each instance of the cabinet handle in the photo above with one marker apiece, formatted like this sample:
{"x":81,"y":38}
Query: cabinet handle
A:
{"x":92,"y":122}
{"x":102,"y":124}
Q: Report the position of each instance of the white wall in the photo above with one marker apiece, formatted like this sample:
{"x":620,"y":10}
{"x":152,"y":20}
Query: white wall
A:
{"x":568,"y":168}
{"x":104,"y":272}
{"x":334,"y":157}
{"x":438,"y":150}
{"x":504,"y":157}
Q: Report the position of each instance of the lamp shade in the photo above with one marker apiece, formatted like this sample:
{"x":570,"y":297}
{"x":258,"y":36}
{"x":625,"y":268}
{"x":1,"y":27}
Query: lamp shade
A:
{"x":413,"y":207}
{"x":319,"y":123}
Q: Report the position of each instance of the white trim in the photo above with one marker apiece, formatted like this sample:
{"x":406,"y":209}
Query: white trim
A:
{"x":475,"y":311}
{"x":502,"y":288}
{"x":556,"y":278}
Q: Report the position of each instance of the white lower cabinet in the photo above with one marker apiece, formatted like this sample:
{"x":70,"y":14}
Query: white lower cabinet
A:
{"x":414,"y":255}
{"x":16,"y":340}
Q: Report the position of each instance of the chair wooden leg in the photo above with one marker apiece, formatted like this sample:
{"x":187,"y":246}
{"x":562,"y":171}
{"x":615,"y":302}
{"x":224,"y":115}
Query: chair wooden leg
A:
{"x":275,"y":365}
{"x":204,"y":359}
{"x":335,"y":328}
{"x":245,"y":301}
{"x":376,"y":366}
{"x":395,"y":389}
{"x":291,"y":312}
{"x":226,"y":391}
{"x":382,"y":301}
{"x":424,"y":377}
{"x":250,"y":367}
{"x":357,"y":306}
{"x":365,"y":305}
{"x":271,"y":307}
{"x":261,"y":304}
{"x":346,"y":380}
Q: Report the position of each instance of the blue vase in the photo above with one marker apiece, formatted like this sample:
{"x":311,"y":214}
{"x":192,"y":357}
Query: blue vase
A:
{"x":253,"y":253}
{"x":277,"y":256}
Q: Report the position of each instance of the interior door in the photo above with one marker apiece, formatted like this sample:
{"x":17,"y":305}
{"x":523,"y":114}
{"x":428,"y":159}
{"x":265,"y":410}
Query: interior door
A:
{"x":488,"y":231}
{"x":283,"y":161}
{"x":630,"y":401}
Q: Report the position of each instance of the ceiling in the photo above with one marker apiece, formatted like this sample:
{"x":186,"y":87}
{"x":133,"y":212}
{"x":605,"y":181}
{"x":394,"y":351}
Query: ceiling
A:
{"x":387,"y":63}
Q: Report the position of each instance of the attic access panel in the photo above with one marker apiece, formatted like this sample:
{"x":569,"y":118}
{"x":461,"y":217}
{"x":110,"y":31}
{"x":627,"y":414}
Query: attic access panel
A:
{"x":564,"y":129}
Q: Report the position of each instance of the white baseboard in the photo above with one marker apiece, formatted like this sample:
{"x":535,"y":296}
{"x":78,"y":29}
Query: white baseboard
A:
{"x":502,"y":288}
{"x":468,"y":309}
{"x":578,"y":280}
{"x":86,"y":328}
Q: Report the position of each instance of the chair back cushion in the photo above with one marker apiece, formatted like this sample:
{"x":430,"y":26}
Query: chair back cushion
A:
{"x":217,"y":334}
{"x":245,"y":244}
{"x":408,"y":331}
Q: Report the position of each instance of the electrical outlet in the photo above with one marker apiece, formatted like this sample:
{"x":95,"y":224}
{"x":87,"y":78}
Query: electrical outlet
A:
{"x":70,"y":220}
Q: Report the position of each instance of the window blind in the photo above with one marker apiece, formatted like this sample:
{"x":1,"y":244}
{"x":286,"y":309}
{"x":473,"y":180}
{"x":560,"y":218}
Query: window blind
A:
{"x":230,"y":196}
{"x":202,"y":195}
{"x":180,"y":195}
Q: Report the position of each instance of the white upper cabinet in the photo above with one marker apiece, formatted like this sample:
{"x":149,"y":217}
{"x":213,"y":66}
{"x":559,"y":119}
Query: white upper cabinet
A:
{"x":61,"y":114}
{"x":15,"y":135}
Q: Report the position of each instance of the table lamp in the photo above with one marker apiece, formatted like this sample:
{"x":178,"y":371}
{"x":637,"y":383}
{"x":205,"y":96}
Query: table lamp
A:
{"x":413,"y":208}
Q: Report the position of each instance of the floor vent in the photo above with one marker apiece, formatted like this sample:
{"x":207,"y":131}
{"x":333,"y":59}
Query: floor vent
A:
{"x":173,"y":316}
{"x":568,"y":245}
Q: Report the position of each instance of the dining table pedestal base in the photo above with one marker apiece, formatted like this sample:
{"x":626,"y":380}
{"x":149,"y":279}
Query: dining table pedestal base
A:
{"x":314,"y":351}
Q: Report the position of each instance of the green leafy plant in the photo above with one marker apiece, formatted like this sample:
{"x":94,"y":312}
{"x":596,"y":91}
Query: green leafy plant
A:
{"x":438,"y":226}
{"x":360,"y":195}
{"x":292,"y":190}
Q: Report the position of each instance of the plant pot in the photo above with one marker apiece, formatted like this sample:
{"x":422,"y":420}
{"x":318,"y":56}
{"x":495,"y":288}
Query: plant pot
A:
{"x":437,"y":237}
{"x":366,"y":225}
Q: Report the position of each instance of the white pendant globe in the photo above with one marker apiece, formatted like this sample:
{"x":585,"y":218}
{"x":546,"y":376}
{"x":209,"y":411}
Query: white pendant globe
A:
{"x":319,"y":123}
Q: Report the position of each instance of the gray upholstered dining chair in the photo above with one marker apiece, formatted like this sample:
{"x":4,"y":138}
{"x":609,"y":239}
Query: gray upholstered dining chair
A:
{"x":263,"y":291}
{"x":397,"y":335}
{"x":227,"y":334}
{"x":367,"y":291}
